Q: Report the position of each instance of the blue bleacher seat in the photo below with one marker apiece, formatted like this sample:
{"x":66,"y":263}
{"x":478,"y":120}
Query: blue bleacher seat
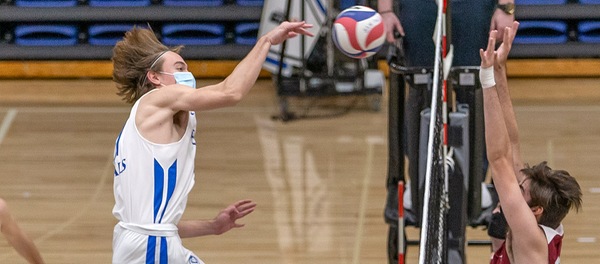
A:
{"x":193,"y":34}
{"x":542,"y":32}
{"x":193,"y":2}
{"x":540,"y":2}
{"x":590,"y":2}
{"x":250,"y":2}
{"x":46,"y":3}
{"x":112,"y":3}
{"x":589,"y":31}
{"x":246,"y":33}
{"x":46,"y":35}
{"x":107,"y":34}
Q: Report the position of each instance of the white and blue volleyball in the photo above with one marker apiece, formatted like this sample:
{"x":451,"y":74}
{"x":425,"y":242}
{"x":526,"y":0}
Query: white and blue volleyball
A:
{"x":358,"y":32}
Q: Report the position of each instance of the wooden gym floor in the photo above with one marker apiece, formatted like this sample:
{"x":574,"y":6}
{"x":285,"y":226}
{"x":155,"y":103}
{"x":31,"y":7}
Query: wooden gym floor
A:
{"x":319,"y":183}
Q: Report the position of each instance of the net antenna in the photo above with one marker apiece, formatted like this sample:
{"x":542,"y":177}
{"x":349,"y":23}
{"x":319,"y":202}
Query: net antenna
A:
{"x":433,"y":238}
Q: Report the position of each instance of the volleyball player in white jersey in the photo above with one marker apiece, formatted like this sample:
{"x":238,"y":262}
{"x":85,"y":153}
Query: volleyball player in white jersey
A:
{"x":155,"y":151}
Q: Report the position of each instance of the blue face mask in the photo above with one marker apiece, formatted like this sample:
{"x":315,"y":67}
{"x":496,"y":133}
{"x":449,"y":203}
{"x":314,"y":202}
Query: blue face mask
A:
{"x":184,"y":78}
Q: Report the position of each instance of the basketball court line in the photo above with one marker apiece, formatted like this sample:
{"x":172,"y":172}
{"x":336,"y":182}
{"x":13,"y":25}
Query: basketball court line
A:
{"x":586,"y":239}
{"x":7,"y":122}
{"x":364,"y":197}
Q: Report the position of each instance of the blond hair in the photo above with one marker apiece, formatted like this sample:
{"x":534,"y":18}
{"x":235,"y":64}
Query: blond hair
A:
{"x":137,"y":53}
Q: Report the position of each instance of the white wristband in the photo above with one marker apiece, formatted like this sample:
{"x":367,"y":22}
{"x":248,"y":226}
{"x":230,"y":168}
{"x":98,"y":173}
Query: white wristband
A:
{"x":486,"y":77}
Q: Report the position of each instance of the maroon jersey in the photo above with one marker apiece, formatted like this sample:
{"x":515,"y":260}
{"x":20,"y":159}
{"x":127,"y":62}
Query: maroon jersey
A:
{"x":553,"y":237}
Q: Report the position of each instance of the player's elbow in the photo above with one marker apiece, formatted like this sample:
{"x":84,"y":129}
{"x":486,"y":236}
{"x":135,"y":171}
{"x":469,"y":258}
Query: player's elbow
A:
{"x":231,"y":99}
{"x":498,"y":148}
{"x":236,"y":97}
{"x":233,"y":92}
{"x":496,"y":156}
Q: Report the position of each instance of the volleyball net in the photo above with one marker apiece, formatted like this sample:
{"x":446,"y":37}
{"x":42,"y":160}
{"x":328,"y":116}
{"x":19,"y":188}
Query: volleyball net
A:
{"x":433,"y":219}
{"x":433,"y":238}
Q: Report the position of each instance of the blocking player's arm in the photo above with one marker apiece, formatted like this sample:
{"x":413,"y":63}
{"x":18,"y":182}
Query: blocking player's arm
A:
{"x":231,"y":90}
{"x":523,"y":225}
{"x":504,"y":97}
{"x":16,"y":237}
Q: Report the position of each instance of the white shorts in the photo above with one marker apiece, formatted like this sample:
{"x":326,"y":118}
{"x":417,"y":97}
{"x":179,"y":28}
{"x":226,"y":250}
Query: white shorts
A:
{"x":130,"y":247}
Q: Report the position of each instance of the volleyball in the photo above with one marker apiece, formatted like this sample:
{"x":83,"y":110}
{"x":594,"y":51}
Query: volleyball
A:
{"x":358,"y":32}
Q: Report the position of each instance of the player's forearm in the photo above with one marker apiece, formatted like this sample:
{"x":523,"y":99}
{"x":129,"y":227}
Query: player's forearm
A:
{"x":496,"y":135}
{"x":244,"y":76}
{"x":28,"y":250}
{"x":21,"y":242}
{"x":509,"y":115}
{"x":16,"y":237}
{"x":505,"y":102}
{"x":195,"y":228}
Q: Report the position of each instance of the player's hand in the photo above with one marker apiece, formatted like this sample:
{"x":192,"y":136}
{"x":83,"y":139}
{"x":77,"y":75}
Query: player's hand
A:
{"x":391,"y":24}
{"x":488,"y":56}
{"x":225,"y":220}
{"x":507,"y":40}
{"x":287,"y":30}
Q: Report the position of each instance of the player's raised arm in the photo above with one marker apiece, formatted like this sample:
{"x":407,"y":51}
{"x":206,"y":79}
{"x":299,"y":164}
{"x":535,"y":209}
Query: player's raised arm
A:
{"x":231,"y":90}
{"x":527,"y":240}
{"x":500,"y":72}
{"x":497,"y":140}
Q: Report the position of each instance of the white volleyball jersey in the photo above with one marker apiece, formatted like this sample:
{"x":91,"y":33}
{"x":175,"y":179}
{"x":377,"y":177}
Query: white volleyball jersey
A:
{"x":151,"y":185}
{"x":152,"y":181}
